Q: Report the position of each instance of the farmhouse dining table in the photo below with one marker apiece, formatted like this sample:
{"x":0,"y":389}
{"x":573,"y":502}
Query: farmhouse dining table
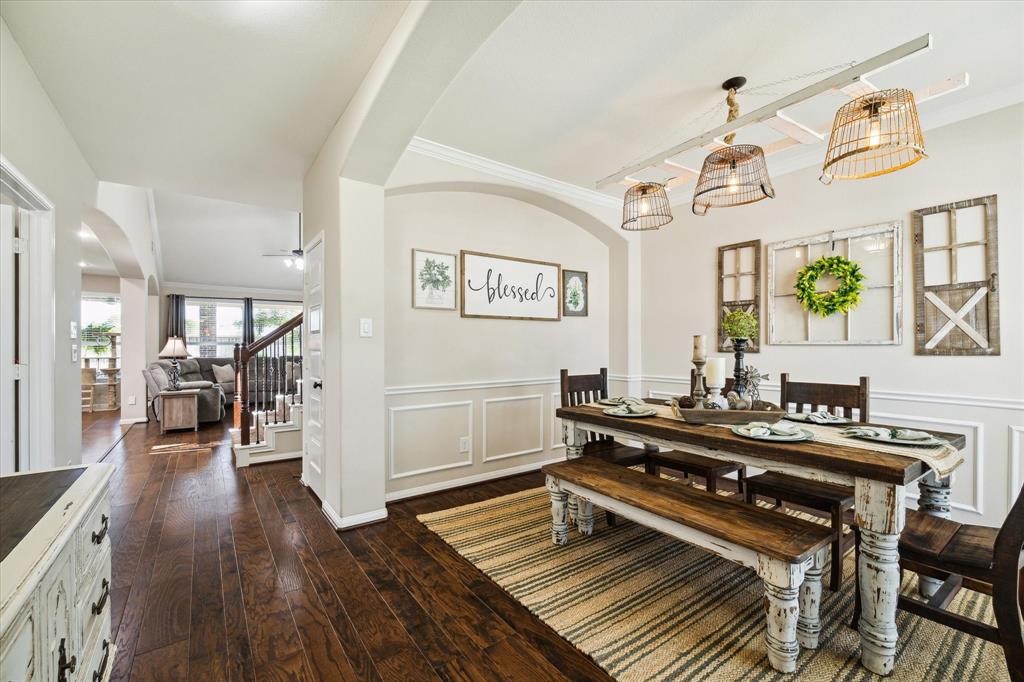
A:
{"x":879,"y":477}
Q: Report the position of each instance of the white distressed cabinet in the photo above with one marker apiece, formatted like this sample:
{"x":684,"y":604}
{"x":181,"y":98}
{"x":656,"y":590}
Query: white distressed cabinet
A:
{"x":55,"y":576}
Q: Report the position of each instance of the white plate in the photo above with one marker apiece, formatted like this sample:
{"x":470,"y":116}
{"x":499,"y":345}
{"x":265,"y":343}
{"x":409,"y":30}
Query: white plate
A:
{"x":618,"y":401}
{"x":623,"y":412}
{"x":803,"y":417}
{"x":930,"y":443}
{"x":795,"y":438}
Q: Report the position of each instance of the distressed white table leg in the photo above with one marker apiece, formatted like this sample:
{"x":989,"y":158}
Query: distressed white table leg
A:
{"x":574,"y":438}
{"x":559,"y":512}
{"x":585,"y":516}
{"x":880,"y":515}
{"x":934,"y":500}
{"x":782,"y":609}
{"x":808,"y":625}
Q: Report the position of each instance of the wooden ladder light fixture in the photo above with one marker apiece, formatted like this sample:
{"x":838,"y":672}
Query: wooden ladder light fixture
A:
{"x":736,"y":174}
{"x":872,"y":135}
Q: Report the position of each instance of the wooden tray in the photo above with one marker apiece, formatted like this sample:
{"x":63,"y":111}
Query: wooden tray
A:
{"x":702,"y":416}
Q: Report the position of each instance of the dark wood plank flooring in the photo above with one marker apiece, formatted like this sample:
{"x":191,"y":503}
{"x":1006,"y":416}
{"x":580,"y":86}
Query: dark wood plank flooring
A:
{"x":225,"y":574}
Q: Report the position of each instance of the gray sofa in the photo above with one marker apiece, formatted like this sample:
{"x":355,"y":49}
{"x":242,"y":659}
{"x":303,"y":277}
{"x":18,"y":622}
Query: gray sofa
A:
{"x":195,"y":373}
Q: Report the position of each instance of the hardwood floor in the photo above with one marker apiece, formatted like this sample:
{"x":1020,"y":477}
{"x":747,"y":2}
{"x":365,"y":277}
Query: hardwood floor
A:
{"x":225,"y":574}
{"x":100,"y":431}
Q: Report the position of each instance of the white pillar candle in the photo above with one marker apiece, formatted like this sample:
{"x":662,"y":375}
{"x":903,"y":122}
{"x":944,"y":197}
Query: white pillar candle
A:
{"x":716,"y":372}
{"x":700,"y":352}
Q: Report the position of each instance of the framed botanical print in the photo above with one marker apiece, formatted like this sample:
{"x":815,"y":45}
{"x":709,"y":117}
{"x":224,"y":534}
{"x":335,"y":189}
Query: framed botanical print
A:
{"x":575,"y":296}
{"x":433,"y":280}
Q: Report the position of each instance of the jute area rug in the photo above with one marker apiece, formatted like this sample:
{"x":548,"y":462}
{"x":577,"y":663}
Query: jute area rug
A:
{"x":647,"y":607}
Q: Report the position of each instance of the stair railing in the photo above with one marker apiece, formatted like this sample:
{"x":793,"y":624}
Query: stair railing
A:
{"x":268,"y":380}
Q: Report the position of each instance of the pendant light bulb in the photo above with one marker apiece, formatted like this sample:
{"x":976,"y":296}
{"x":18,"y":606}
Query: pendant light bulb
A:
{"x":875,"y":131}
{"x":734,"y":180}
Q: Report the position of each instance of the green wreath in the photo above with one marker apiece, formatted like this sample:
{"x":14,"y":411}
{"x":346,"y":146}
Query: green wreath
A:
{"x":825,"y":303}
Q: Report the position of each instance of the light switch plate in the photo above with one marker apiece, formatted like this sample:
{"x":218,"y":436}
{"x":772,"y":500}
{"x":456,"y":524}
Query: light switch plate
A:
{"x":366,"y":327}
{"x":74,"y":329}
{"x":464,"y":444}
{"x":74,"y":352}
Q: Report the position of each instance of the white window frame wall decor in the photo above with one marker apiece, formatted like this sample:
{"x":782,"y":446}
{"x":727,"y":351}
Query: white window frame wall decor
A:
{"x":893,"y":230}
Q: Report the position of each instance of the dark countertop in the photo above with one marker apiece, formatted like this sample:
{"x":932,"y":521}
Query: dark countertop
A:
{"x":25,"y":499}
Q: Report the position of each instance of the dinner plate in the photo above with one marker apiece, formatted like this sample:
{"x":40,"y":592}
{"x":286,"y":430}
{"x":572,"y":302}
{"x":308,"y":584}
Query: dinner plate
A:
{"x":803,"y":417}
{"x":616,"y":402}
{"x":930,"y":443}
{"x":795,"y":438}
{"x":623,"y":412}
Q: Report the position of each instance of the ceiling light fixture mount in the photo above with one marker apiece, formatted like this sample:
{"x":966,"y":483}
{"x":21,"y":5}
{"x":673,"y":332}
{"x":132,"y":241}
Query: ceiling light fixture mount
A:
{"x":735,"y":174}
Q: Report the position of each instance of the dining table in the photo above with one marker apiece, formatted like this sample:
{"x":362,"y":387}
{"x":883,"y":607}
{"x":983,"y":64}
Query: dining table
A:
{"x":879,"y":475}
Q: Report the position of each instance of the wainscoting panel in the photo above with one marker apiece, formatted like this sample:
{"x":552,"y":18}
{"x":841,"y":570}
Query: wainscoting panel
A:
{"x":513,"y":426}
{"x":1016,"y":446}
{"x":426,"y":438}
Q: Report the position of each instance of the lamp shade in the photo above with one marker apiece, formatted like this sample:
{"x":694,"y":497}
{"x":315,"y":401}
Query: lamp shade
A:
{"x":645,"y":207}
{"x":732,"y":176}
{"x":872,"y":135}
{"x":174,"y":348}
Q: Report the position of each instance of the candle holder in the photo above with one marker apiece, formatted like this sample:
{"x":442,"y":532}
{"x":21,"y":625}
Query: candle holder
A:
{"x":715,"y":397}
{"x":697,"y":389}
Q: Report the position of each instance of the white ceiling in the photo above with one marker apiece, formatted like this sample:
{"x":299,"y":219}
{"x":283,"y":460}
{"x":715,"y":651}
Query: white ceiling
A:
{"x":95,"y":257}
{"x":220,"y":99}
{"x":575,"y":91}
{"x":220,"y":243}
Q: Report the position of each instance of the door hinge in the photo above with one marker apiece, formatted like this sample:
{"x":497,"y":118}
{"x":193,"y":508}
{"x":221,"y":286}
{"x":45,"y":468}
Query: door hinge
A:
{"x":20,"y":245}
{"x":19,"y":372}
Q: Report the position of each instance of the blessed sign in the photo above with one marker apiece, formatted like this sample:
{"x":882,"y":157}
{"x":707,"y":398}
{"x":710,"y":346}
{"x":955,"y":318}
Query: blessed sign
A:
{"x":509,"y":288}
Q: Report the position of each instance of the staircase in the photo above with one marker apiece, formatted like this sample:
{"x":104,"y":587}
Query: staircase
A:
{"x":268,"y":397}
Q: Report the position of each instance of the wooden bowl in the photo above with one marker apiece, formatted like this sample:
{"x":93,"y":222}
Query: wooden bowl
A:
{"x":728,"y":417}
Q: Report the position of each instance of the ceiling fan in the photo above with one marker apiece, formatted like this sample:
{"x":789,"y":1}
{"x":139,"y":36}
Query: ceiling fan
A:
{"x":294,"y":257}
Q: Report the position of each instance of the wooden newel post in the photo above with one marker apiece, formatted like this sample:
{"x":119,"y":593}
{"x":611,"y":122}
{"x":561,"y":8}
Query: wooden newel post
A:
{"x":244,"y":416}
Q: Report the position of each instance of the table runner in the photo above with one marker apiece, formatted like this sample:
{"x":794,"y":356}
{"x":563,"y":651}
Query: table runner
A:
{"x":942,"y":459}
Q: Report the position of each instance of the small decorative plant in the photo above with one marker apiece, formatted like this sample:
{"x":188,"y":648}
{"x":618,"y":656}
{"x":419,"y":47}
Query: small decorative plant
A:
{"x":739,"y":324}
{"x":434,"y":275}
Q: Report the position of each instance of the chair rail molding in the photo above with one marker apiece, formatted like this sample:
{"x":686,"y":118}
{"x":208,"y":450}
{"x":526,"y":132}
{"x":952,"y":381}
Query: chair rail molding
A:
{"x":392,"y":411}
{"x":487,"y":384}
{"x":540,"y":426}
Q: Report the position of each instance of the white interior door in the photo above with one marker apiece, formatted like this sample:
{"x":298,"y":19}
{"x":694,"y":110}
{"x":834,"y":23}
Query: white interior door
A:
{"x":8,"y":354}
{"x":313,"y":362}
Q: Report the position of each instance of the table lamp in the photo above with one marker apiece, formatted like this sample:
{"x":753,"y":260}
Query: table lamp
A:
{"x":174,"y":349}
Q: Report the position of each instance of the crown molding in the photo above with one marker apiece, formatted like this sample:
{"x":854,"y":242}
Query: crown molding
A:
{"x":504,"y":171}
{"x":217,"y":288}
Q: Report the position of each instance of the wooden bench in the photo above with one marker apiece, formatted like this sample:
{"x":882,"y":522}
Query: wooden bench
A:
{"x":788,"y":554}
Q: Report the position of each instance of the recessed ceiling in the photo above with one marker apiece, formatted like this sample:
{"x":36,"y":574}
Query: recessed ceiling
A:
{"x":220,"y":243}
{"x":576,"y":91}
{"x":220,"y":99}
{"x":95,"y":257}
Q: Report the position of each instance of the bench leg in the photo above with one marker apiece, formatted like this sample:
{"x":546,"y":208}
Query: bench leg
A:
{"x":585,"y":516}
{"x":781,"y":586}
{"x":808,"y":625}
{"x":559,"y":512}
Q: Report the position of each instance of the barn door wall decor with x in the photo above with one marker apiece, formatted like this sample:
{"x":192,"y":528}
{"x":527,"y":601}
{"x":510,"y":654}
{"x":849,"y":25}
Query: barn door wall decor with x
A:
{"x":956,"y":278}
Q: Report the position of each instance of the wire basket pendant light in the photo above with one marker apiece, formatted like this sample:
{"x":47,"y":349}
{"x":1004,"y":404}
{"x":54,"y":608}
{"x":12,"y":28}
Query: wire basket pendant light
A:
{"x":872,"y":135}
{"x":645,"y":207}
{"x":734,"y":175}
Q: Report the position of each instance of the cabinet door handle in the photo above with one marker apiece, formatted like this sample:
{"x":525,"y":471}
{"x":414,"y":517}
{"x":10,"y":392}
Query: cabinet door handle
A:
{"x":97,"y":606}
{"x":97,"y":674}
{"x":64,"y":666}
{"x":97,"y":538}
{"x":318,"y":384}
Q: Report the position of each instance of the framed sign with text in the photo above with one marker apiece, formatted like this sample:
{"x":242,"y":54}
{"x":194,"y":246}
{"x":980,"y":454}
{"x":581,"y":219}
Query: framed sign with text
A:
{"x":509,"y":288}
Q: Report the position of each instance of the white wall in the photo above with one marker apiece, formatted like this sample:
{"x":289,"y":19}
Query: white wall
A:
{"x":982,"y":397}
{"x":493,"y":381}
{"x":101,"y":284}
{"x":35,"y":140}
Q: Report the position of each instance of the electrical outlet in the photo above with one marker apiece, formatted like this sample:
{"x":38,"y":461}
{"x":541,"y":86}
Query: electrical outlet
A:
{"x":464,"y":444}
{"x":131,"y":400}
{"x":74,"y":352}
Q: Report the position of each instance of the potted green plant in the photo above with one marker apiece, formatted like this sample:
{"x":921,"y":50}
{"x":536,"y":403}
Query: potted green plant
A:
{"x":740,"y":326}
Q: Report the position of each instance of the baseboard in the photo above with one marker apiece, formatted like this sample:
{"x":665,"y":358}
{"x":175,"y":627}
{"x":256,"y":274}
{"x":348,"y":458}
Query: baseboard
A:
{"x":467,"y":480}
{"x":134,"y":420}
{"x":255,"y":458}
{"x":345,"y":522}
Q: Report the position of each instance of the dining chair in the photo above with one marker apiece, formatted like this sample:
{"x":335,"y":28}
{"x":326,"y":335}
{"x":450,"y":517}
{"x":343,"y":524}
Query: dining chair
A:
{"x":978,"y":558}
{"x":580,"y":389}
{"x":689,"y":464}
{"x":829,"y":498}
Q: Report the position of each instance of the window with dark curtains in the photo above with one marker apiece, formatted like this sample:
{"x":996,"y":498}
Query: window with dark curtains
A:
{"x":176,"y":315}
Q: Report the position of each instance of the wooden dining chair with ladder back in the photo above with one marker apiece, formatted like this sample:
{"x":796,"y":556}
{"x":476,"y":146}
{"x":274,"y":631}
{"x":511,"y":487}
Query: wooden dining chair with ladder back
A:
{"x":834,"y":500}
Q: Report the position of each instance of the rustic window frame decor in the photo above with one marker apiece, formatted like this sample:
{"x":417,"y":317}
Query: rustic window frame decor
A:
{"x":929,"y":318}
{"x":750,"y":305}
{"x":893,"y":230}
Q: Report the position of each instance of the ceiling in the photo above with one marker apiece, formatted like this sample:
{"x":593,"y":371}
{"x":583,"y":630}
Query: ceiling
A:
{"x":594,"y":88}
{"x":230,"y":100}
{"x":95,"y":257}
{"x":220,"y":243}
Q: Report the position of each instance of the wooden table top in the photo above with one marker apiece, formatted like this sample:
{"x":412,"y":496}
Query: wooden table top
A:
{"x":26,"y":499}
{"x":839,"y":459}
